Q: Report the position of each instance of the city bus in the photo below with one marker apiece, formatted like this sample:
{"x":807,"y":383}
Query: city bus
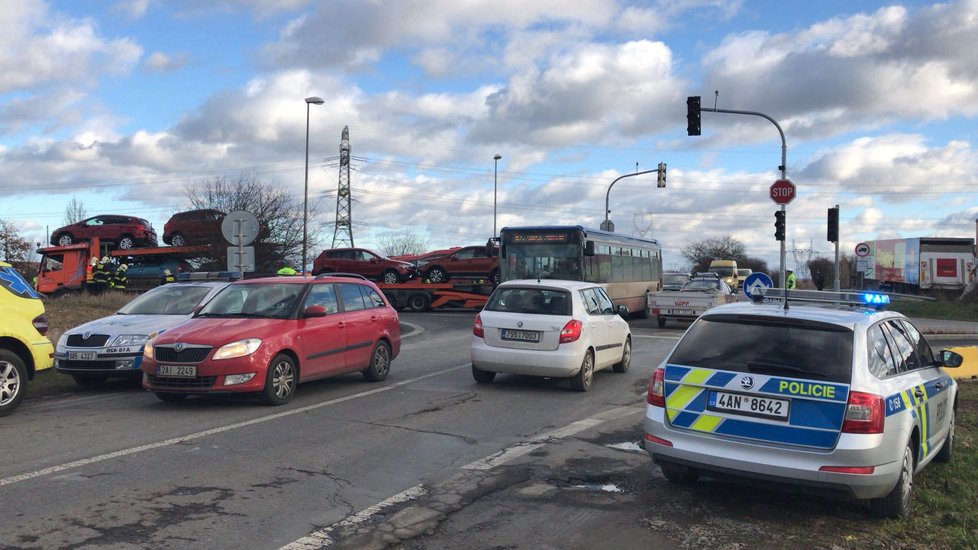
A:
{"x":626,"y":266}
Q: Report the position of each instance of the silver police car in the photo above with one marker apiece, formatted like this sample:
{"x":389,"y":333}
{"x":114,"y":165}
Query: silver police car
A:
{"x":113,"y":346}
{"x":817,"y":394}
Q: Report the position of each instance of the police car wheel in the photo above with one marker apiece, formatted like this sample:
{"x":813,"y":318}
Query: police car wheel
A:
{"x":13,"y":376}
{"x":897,"y":504}
{"x":90,"y":380}
{"x":947,"y":450}
{"x":585,"y":376}
{"x":678,"y":474}
{"x":626,"y":357}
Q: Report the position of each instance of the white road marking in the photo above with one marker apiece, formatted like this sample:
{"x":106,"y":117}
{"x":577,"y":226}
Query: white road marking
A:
{"x":221,"y":429}
{"x":321,"y":538}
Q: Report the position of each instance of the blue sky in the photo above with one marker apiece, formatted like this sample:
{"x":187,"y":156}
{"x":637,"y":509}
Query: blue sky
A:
{"x":124,"y":105}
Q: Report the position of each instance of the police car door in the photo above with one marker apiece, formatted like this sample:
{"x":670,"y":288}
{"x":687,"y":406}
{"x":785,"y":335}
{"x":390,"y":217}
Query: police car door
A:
{"x":925,"y":386}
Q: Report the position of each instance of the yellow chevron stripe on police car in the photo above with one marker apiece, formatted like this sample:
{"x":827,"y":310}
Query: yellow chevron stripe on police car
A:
{"x":706,"y":423}
{"x":697,"y":376}
{"x":682,"y":396}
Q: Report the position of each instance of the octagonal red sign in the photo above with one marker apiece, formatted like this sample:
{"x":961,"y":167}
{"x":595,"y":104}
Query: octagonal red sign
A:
{"x":782,"y":191}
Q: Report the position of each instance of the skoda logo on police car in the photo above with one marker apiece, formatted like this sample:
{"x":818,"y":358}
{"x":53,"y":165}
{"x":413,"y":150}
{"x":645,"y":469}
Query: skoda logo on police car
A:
{"x":747,"y":382}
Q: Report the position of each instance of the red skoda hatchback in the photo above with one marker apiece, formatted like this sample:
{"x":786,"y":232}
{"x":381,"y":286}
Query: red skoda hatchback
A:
{"x":264,"y":336}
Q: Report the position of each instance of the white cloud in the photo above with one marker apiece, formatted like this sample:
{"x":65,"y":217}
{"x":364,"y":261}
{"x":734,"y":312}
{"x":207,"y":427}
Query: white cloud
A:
{"x":132,"y":10}
{"x":162,"y":63}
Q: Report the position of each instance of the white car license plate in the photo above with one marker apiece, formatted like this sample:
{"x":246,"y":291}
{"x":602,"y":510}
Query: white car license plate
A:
{"x":520,"y":335}
{"x":82,"y":355}
{"x":750,"y":405}
{"x":681,"y":312}
{"x":177,"y":371}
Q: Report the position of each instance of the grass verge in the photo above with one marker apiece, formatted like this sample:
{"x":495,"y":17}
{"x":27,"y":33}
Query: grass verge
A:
{"x":937,"y":309}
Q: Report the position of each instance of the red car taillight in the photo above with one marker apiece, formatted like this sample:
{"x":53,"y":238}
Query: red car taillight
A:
{"x":477,"y":327}
{"x":656,"y":395}
{"x":41,"y":324}
{"x":864,"y":414}
{"x":571,"y":331}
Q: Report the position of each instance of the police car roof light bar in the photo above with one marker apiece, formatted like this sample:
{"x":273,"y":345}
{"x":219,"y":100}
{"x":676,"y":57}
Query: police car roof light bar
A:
{"x":875,"y":300}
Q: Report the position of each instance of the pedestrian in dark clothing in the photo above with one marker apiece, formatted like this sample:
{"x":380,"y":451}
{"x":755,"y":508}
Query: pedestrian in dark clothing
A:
{"x":819,"y":280}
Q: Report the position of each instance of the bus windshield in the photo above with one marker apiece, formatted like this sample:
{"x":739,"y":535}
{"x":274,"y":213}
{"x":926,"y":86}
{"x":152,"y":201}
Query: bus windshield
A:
{"x":542,"y":260}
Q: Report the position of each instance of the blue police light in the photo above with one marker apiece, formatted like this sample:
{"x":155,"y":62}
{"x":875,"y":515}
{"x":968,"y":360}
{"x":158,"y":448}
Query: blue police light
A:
{"x":875,"y":299}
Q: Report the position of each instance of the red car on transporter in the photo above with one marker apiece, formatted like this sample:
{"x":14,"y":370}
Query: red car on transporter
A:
{"x":264,"y":336}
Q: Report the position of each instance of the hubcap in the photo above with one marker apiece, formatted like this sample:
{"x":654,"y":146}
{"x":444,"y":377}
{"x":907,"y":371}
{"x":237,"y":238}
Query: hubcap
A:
{"x":382,"y":360}
{"x":283,"y":380}
{"x":588,"y":369}
{"x":390,"y":278}
{"x":9,"y":383}
{"x":907,"y":476}
{"x":627,"y":356}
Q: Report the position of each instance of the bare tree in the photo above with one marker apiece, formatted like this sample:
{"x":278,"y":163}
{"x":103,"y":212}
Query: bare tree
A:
{"x":13,"y":247}
{"x":74,"y":212}
{"x":724,"y":247}
{"x":402,"y":242}
{"x":279,"y":214}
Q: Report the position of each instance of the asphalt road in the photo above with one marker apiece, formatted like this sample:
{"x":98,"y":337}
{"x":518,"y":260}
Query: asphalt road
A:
{"x":121,"y":469}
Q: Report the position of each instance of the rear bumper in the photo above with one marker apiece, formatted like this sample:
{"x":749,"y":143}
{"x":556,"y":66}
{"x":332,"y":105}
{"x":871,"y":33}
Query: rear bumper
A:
{"x":783,"y":466}
{"x":562,"y":362}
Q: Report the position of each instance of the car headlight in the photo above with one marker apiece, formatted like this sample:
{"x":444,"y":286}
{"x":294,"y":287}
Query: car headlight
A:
{"x":129,"y":340}
{"x":62,"y":342}
{"x":148,"y":349}
{"x":237,"y":349}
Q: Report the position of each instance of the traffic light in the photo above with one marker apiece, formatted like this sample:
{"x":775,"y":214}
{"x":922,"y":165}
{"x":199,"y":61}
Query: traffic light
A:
{"x":662,"y":175}
{"x":693,"y":115}
{"x":833,"y":232}
{"x":779,"y":225}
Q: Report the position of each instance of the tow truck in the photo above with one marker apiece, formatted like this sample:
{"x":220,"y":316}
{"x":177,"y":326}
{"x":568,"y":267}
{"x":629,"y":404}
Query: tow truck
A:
{"x":69,"y":268}
{"x":464,"y":292}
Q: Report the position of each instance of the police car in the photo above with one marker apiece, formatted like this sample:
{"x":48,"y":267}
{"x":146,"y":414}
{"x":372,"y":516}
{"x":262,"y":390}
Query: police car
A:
{"x":823,"y":392}
{"x":113,"y":346}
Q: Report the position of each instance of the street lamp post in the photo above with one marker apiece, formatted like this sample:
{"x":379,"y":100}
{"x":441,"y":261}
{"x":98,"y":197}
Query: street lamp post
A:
{"x":305,"y":201}
{"x":495,"y":177}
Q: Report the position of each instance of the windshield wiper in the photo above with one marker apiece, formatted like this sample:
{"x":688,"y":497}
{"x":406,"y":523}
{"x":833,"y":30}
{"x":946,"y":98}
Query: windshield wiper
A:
{"x":762,"y":367}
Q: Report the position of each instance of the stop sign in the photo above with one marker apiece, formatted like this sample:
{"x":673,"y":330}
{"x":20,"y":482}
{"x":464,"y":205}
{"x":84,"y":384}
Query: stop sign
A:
{"x":782,"y":192}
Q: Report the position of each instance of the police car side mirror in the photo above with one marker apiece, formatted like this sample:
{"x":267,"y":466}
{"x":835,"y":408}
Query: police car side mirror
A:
{"x":951,"y":359}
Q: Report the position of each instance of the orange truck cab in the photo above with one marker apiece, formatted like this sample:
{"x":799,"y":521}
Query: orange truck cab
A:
{"x":65,"y":268}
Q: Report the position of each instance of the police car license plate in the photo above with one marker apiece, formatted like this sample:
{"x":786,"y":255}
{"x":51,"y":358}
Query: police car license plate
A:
{"x":177,"y":371}
{"x":82,"y":355}
{"x":750,"y":405}
{"x":520,"y":335}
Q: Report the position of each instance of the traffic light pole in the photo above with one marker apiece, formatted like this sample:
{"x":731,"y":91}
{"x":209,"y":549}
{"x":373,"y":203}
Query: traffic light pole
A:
{"x":606,"y":226}
{"x":837,"y":255}
{"x":783,"y":167}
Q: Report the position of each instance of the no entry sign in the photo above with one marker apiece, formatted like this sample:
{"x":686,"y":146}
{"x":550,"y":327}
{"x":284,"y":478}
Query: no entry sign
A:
{"x":782,"y":192}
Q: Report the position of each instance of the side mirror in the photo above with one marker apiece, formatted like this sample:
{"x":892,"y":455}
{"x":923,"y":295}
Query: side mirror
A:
{"x":314,"y":311}
{"x":623,"y":311}
{"x":589,"y":248}
{"x":951,"y":359}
